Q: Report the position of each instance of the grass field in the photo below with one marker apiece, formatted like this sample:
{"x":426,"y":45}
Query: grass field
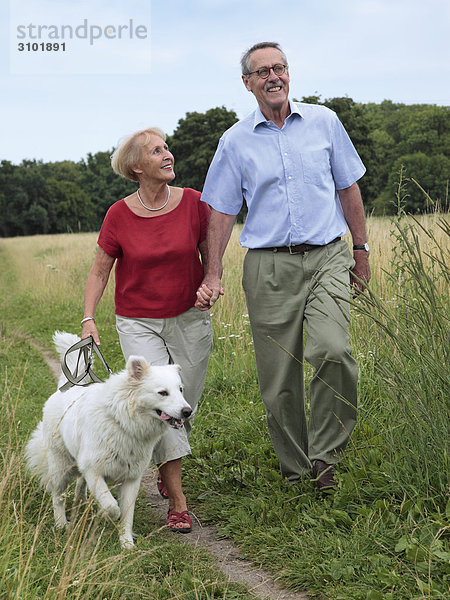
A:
{"x":382,"y":535}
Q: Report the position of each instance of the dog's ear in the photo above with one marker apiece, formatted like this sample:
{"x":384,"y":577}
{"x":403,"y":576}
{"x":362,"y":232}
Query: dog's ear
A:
{"x":137,"y":367}
{"x":178,"y":368}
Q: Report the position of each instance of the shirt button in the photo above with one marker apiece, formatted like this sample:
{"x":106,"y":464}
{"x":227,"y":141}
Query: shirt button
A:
{"x":289,"y":177}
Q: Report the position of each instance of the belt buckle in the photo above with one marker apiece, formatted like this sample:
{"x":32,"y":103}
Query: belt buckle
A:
{"x":295,"y":251}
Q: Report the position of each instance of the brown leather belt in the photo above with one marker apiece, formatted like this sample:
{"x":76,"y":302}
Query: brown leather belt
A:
{"x":299,"y":248}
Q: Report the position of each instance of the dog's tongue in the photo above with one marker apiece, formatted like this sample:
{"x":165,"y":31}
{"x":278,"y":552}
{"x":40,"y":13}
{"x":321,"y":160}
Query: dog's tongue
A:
{"x":164,"y":416}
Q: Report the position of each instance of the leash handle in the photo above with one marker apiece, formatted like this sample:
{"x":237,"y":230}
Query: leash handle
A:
{"x":86,"y":347}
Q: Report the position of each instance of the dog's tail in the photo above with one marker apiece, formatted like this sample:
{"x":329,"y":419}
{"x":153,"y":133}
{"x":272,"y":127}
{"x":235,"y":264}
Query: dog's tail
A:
{"x":74,"y":360}
{"x":63,"y":341}
{"x":36,"y":455}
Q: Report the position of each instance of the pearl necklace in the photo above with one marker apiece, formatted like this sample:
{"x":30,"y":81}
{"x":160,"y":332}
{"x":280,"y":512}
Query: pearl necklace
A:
{"x":153,"y":209}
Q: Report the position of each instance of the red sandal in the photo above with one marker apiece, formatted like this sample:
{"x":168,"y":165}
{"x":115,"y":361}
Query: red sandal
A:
{"x":161,"y":487}
{"x":174,"y":519}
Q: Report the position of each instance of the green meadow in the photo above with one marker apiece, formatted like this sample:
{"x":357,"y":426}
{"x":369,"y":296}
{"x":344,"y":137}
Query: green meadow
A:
{"x":383,"y":535}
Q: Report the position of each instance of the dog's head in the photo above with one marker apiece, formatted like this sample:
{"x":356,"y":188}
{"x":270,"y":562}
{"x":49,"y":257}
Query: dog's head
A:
{"x":157,"y":391}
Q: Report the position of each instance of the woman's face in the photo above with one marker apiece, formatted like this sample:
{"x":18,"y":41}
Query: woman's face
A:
{"x":157,"y":162}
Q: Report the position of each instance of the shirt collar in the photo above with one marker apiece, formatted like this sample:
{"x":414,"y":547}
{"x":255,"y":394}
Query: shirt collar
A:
{"x":260,"y":118}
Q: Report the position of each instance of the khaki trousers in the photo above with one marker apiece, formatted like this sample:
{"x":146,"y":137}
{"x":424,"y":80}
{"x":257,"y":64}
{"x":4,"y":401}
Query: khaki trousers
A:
{"x":185,"y":340}
{"x":285,"y":292}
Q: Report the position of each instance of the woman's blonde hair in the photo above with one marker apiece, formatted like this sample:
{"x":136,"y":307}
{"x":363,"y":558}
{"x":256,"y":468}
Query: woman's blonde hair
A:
{"x":130,"y":151}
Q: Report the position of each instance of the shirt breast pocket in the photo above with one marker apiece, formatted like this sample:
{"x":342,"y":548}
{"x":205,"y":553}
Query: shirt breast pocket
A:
{"x":316,"y":167}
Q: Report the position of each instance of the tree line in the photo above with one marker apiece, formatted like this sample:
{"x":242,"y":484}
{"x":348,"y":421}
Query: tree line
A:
{"x":55,"y":197}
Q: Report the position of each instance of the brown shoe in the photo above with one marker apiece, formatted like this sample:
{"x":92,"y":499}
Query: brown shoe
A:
{"x":324,"y":475}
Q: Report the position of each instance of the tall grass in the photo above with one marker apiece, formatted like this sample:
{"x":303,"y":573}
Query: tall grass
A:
{"x":413,"y":363}
{"x":383,"y":535}
{"x":52,"y":265}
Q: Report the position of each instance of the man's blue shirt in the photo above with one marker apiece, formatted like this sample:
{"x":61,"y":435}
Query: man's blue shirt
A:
{"x":288,"y":177}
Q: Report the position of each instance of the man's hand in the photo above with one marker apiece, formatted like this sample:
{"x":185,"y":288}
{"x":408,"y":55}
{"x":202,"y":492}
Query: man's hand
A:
{"x":353,"y":209}
{"x":219,"y":231}
{"x":360,"y":275}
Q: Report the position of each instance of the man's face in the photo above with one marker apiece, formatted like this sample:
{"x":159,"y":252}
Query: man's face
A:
{"x":271,"y":93}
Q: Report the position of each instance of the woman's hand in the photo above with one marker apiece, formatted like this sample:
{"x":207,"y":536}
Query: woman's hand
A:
{"x":95,"y":285}
{"x":89,"y":328}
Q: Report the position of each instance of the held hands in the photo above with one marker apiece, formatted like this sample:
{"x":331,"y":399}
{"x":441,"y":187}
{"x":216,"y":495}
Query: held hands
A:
{"x":208,"y":293}
{"x":360,"y":274}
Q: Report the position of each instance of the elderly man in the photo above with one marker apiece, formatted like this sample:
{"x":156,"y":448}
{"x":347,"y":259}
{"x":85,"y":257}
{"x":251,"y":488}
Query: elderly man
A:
{"x":297,"y":169}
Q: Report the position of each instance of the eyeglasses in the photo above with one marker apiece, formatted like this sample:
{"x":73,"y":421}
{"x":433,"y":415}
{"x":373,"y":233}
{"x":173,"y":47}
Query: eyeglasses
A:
{"x":263,"y":73}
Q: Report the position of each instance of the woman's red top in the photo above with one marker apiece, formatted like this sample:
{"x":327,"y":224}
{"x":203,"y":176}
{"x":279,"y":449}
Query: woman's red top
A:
{"x":158,"y":267}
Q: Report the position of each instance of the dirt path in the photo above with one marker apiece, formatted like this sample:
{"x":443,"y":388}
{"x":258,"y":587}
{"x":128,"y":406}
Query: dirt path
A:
{"x":226,"y":555}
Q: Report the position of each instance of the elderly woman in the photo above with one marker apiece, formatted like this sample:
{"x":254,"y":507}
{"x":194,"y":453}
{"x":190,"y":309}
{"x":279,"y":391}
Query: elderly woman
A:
{"x":156,"y":237}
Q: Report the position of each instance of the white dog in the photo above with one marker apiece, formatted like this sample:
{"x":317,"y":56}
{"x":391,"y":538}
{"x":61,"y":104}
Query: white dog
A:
{"x":105,"y":431}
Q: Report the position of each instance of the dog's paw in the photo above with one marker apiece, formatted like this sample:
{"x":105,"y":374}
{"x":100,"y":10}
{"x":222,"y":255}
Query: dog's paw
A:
{"x":113,"y":512}
{"x":126,"y":542}
{"x":60,"y":519}
{"x":61,"y":523}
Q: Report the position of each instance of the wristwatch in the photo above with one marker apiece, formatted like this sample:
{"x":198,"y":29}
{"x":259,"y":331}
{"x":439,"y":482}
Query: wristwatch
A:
{"x":361,"y":247}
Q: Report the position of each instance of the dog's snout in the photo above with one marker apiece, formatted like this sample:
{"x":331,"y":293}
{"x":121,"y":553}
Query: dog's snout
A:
{"x":186,"y":412}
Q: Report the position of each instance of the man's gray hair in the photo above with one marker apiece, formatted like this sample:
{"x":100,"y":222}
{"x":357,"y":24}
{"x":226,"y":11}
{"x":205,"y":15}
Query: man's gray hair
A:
{"x":245,"y":60}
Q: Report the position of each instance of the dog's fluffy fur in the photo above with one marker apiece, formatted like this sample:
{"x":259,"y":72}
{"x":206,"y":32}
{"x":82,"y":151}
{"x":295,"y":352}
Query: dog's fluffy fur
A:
{"x":105,"y":431}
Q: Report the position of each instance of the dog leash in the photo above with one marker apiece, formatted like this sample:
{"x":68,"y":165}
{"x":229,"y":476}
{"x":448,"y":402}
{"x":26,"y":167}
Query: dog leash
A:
{"x":85,"y":349}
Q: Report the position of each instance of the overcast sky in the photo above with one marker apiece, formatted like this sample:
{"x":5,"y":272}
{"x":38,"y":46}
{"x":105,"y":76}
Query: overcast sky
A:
{"x":185,"y":57}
